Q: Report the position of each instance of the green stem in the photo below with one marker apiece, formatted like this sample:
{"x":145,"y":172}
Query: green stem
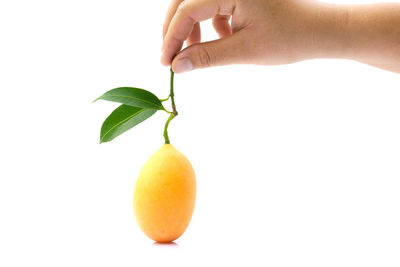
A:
{"x":165,"y":99}
{"x":174,"y":113}
{"x":171,"y":94}
{"x":166,"y":137}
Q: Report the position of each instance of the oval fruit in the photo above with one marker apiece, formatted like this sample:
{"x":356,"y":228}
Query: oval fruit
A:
{"x":165,"y":195}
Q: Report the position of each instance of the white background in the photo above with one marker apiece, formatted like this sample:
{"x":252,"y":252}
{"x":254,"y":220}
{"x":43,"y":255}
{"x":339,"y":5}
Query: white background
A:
{"x":296,"y":165}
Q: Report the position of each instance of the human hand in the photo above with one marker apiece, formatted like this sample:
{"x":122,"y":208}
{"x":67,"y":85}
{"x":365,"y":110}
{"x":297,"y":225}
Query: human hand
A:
{"x":266,"y":32}
{"x":271,"y":32}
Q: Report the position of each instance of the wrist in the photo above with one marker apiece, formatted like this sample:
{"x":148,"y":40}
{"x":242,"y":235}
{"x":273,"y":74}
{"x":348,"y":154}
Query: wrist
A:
{"x":328,"y":34}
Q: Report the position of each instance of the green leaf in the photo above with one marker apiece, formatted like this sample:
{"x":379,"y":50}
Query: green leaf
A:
{"x":122,"y":119}
{"x":131,"y":96}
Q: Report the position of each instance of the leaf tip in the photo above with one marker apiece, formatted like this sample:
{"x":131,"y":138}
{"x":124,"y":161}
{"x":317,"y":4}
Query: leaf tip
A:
{"x":96,"y":99}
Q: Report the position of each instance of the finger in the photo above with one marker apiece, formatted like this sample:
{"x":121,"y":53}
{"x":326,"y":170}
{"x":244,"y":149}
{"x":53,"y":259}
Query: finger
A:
{"x":221,"y":25}
{"x":170,"y":13}
{"x":229,"y":50}
{"x":188,"y":13}
{"x":195,"y":35}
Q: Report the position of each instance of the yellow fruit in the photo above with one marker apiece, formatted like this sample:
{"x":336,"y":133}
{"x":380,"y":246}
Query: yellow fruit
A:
{"x":165,"y":194}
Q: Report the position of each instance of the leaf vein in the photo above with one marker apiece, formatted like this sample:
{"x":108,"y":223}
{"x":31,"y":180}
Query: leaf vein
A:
{"x":158,"y":106}
{"x":121,"y":122}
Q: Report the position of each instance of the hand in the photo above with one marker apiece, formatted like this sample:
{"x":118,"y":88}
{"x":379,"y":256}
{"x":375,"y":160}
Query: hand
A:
{"x":261,"y":32}
{"x":271,"y":32}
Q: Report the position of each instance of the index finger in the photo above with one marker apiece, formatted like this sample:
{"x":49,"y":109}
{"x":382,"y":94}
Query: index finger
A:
{"x":188,"y":13}
{"x":173,"y":6}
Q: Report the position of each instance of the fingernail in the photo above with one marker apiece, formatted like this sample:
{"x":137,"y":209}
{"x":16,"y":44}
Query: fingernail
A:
{"x":183,"y":65}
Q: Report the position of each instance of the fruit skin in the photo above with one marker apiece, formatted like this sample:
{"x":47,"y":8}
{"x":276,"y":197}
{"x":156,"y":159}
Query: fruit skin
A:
{"x":165,"y":195}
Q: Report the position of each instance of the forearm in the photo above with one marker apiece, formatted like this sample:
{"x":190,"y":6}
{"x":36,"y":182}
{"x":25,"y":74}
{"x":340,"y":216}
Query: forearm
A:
{"x":366,"y":33}
{"x":375,"y":35}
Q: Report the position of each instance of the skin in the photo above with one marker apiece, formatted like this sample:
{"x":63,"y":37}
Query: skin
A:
{"x":272,"y":32}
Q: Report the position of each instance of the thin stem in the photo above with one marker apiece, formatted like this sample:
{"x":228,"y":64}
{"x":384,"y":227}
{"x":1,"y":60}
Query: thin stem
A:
{"x":165,"y":99}
{"x":174,"y":113}
{"x":166,"y":137}
{"x":171,"y":94}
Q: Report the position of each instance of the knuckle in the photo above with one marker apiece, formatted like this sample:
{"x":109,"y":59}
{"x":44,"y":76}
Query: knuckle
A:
{"x":225,"y":7}
{"x":182,"y":7}
{"x":205,"y":56}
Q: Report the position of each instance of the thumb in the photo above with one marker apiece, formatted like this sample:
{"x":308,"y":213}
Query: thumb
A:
{"x":229,"y":50}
